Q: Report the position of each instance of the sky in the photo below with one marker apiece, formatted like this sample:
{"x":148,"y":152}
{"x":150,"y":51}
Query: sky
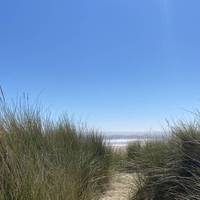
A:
{"x":117,"y":65}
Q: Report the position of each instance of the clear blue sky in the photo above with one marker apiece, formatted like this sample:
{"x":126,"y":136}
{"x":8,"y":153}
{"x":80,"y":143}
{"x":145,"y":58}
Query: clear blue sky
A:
{"x":119,"y":65}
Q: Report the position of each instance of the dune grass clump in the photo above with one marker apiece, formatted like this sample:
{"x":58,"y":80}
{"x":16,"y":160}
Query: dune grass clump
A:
{"x":45,"y":160}
{"x":149,"y":154}
{"x":170,"y":169}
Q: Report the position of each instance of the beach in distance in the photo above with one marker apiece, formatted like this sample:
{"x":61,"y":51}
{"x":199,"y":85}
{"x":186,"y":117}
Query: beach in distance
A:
{"x":122,"y":139}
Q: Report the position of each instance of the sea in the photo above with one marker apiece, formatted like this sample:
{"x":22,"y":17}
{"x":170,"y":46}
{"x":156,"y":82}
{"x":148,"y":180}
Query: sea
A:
{"x":122,"y":139}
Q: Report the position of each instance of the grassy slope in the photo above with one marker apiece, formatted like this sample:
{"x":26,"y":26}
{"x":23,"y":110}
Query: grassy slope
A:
{"x":168,"y":169}
{"x":41,"y":159}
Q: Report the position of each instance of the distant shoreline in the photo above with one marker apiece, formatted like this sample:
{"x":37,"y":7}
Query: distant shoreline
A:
{"x":119,"y":140}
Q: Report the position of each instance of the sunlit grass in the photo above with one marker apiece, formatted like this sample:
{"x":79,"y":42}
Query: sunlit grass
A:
{"x":43,"y":159}
{"x":168,"y":169}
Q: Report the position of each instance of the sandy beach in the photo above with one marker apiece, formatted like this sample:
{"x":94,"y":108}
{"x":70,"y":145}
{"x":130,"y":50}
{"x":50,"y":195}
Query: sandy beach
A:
{"x":121,"y":187}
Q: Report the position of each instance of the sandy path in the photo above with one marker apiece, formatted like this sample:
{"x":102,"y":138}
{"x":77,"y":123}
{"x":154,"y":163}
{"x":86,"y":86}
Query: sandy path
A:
{"x":121,"y":187}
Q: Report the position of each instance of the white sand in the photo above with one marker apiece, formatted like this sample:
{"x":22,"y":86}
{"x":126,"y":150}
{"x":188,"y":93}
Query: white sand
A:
{"x":121,"y":187}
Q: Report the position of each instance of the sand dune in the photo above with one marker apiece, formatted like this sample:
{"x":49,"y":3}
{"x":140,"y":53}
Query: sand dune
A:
{"x":121,"y":187}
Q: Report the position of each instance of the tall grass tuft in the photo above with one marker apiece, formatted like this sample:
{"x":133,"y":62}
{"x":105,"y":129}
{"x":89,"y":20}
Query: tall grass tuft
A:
{"x":169,"y":169}
{"x":41,"y":159}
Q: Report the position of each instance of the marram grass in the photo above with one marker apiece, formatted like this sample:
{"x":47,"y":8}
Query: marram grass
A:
{"x":168,"y":169}
{"x":45,"y":160}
